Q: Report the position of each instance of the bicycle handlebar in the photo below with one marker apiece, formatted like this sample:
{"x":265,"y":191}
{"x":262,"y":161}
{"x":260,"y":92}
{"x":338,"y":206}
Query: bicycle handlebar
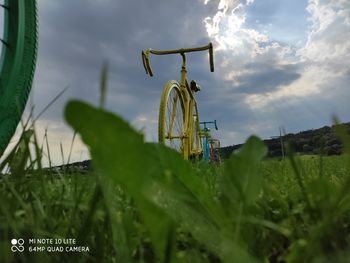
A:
{"x":209,"y":122}
{"x":145,"y":55}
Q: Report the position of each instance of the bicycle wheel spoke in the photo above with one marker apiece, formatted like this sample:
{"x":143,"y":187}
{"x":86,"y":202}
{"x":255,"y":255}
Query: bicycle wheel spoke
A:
{"x":178,"y":124}
{"x":171,"y":112}
{"x":173,"y":117}
{"x":168,"y":122}
{"x":173,"y":125}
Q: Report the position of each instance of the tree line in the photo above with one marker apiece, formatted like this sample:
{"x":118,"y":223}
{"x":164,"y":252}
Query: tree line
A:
{"x":316,"y":141}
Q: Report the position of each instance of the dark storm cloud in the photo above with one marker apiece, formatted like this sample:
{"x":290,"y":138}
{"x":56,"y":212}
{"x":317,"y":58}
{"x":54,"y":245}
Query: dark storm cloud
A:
{"x":267,"y":77}
{"x":77,"y":36}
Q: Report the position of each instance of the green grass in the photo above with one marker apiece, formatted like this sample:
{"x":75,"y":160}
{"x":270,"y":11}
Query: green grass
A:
{"x":143,"y":203}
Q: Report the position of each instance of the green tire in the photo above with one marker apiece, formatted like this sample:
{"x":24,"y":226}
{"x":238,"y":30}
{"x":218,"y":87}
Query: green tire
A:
{"x":17,"y":64}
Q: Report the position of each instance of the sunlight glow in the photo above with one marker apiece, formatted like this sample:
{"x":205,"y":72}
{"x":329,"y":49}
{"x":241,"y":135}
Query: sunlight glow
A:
{"x":226,"y":26}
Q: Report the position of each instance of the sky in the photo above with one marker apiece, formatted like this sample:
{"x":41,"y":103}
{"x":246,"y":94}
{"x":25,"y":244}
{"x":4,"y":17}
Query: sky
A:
{"x":278,"y":63}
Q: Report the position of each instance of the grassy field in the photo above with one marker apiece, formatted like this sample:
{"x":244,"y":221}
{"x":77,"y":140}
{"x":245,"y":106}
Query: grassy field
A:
{"x":143,"y":203}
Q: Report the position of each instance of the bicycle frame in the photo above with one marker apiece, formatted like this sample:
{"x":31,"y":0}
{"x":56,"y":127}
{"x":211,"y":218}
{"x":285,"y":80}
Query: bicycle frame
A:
{"x":187,"y":93}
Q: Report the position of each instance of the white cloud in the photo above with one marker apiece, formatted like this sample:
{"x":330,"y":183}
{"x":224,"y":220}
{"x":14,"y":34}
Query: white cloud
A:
{"x":315,"y":74}
{"x":308,"y":84}
{"x":237,"y":46}
{"x":59,"y":134}
{"x":147,"y":123}
{"x":329,"y":35}
{"x":325,"y":55}
{"x":226,"y":28}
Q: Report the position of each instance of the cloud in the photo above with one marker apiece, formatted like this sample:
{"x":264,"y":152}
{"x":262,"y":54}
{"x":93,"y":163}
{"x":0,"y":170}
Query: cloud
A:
{"x":281,"y":83}
{"x":328,"y":39}
{"x":72,"y":49}
{"x":261,"y":79}
{"x":226,"y":28}
{"x":249,"y":60}
{"x":325,"y":56}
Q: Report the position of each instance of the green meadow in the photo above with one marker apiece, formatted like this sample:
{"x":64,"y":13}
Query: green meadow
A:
{"x":141,"y":202}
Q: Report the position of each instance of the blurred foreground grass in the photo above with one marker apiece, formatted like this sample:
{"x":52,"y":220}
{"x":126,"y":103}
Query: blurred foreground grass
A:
{"x":143,"y":203}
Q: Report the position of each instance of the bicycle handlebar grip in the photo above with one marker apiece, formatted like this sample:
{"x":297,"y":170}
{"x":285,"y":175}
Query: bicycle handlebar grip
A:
{"x":145,"y":61}
{"x":211,"y":57}
{"x":216,"y":127}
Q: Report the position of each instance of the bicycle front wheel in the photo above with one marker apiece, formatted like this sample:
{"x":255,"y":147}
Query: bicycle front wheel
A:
{"x":171,"y":117}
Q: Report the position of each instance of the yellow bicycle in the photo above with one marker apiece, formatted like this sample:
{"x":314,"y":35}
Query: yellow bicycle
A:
{"x":178,"y":124}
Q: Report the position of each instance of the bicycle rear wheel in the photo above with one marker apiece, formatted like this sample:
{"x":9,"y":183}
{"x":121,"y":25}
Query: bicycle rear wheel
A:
{"x":171,"y":117}
{"x":17,"y":64}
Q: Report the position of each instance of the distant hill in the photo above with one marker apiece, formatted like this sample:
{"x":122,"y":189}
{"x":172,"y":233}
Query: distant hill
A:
{"x":315,"y":141}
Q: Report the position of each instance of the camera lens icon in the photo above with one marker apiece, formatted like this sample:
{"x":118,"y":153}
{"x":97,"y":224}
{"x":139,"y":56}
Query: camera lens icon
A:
{"x":17,"y":245}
